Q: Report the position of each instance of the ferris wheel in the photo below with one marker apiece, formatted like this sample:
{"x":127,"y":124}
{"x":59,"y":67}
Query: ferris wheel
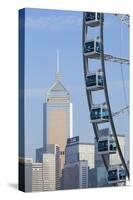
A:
{"x":95,"y":81}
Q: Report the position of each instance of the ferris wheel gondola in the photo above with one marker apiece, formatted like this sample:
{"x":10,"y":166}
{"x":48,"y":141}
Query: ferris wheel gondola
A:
{"x":116,"y":175}
{"x":107,"y":145}
{"x":99,"y":113}
{"x":92,"y":19}
{"x":92,"y":48}
{"x":94,"y":80}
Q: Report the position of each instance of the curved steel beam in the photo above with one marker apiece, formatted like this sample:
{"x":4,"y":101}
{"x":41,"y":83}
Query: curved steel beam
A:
{"x":88,"y":93}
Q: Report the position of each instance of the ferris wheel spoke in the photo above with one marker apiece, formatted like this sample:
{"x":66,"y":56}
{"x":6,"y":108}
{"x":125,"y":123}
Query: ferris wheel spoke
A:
{"x":116,"y":59}
{"x":122,"y":110}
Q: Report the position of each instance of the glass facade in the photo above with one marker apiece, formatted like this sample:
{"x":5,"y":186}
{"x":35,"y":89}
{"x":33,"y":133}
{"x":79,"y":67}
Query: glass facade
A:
{"x":94,"y":80}
{"x":122,"y":174}
{"x":117,"y":175}
{"x":91,"y":81}
{"x":103,"y":145}
{"x":100,"y":80}
{"x":96,"y":113}
{"x":105,"y":114}
{"x":112,"y":145}
{"x":89,"y":47}
{"x":90,"y":16}
{"x":98,"y":47}
{"x":112,"y":175}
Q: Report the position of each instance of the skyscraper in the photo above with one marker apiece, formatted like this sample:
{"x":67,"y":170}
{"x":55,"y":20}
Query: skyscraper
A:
{"x":46,"y":173}
{"x":57,"y":116}
{"x":37,"y":177}
{"x":51,"y":168}
{"x":76,"y":150}
{"x":76,"y":175}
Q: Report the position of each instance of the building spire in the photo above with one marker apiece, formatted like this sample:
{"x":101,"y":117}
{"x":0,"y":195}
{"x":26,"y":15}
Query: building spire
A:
{"x":57,"y":70}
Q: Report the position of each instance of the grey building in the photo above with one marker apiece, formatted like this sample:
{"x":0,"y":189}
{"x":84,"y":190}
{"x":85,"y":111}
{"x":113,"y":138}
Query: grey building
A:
{"x":39,"y":154}
{"x":76,"y":175}
{"x":76,"y":151}
{"x":79,"y":157}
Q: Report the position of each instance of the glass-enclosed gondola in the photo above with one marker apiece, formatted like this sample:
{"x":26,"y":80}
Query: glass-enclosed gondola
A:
{"x":106,"y":145}
{"x":92,"y":19}
{"x":92,"y":48}
{"x":99,"y":113}
{"x":116,"y":175}
{"x":94,"y":81}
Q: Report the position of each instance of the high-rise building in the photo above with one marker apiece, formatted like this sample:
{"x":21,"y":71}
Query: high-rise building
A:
{"x":112,"y":159}
{"x":52,"y":168}
{"x":76,"y":151}
{"x":79,"y":164}
{"x":46,"y":173}
{"x":37,"y":177}
{"x":39,"y":154}
{"x":57,"y":120}
{"x":76,"y":175}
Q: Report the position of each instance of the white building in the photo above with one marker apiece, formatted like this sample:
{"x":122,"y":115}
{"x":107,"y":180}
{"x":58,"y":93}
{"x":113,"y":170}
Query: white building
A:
{"x":46,"y":173}
{"x":49,"y":171}
{"x":52,"y":168}
{"x":37,"y":177}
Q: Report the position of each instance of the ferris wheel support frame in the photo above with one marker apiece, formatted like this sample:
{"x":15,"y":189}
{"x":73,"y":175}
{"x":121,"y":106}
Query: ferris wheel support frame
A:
{"x":89,"y":93}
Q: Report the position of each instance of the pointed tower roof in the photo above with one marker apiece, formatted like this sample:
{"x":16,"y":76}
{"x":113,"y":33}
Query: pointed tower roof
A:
{"x":58,"y":76}
{"x":57,"y":90}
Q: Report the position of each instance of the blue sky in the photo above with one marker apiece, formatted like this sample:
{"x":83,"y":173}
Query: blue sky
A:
{"x":47,"y":30}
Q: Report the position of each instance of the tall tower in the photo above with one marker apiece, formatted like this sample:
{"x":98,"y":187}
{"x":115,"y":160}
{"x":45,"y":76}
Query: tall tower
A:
{"x":57,"y":115}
